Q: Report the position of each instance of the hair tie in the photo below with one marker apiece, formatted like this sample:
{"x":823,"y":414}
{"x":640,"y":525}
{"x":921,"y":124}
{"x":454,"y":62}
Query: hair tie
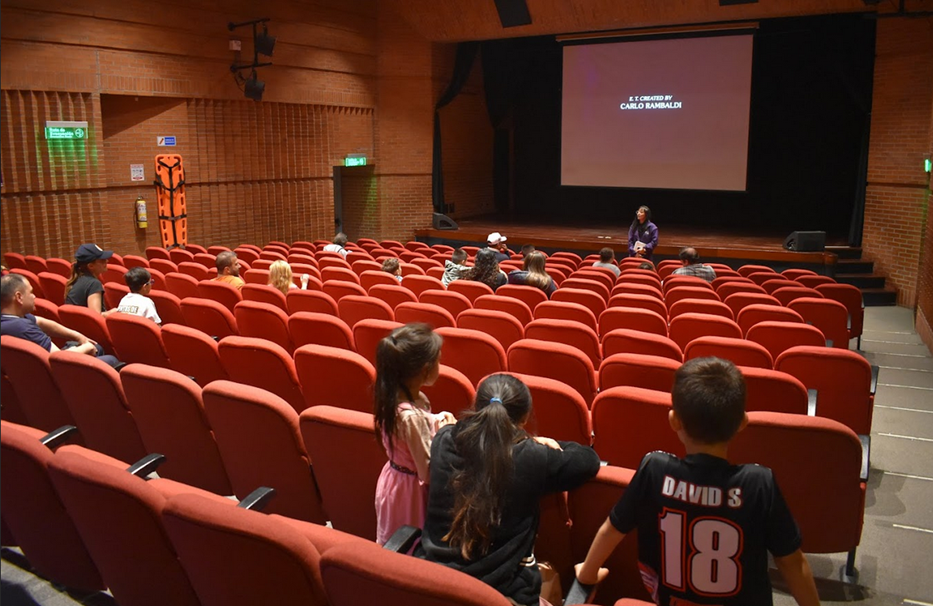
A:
{"x":494,"y":400}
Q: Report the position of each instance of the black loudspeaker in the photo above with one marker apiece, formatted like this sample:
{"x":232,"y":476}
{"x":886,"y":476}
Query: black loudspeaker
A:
{"x":806,"y":241}
{"x":440,"y":221}
{"x":513,"y":13}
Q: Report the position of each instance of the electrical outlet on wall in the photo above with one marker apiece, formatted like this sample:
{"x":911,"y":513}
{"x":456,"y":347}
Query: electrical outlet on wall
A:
{"x":236,"y":45}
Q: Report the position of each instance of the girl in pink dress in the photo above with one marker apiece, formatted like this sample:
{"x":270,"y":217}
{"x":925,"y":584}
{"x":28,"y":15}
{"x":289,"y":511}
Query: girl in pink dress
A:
{"x":406,"y":360}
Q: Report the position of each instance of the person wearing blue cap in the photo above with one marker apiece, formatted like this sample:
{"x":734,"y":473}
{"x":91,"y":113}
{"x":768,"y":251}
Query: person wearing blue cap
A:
{"x":84,"y":288}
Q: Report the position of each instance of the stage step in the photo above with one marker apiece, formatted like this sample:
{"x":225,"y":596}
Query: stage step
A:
{"x":854,"y":266}
{"x":877,"y":297}
{"x":846,"y":252}
{"x":862,"y":281}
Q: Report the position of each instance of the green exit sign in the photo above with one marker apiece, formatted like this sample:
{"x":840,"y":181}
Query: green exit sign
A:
{"x":355,"y":160}
{"x":57,"y":130}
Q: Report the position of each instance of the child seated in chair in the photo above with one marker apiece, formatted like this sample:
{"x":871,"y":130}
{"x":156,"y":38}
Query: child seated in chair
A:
{"x":137,"y":302}
{"x":705,"y":527}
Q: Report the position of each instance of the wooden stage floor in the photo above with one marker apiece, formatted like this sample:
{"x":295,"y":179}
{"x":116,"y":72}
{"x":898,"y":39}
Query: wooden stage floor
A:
{"x":731,"y":247}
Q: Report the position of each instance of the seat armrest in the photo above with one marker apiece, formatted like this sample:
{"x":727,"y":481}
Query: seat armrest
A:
{"x":57,"y":437}
{"x":866,"y":456}
{"x":258,"y":499}
{"x":579,"y":593}
{"x":402,"y":539}
{"x":146,"y":465}
{"x":874,"y":379}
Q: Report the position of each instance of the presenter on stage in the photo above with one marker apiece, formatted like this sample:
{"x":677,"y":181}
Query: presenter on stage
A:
{"x":642,"y":235}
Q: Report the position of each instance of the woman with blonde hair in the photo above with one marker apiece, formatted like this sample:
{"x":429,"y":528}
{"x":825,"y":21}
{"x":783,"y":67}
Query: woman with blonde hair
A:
{"x":533,"y":274}
{"x":280,"y":276}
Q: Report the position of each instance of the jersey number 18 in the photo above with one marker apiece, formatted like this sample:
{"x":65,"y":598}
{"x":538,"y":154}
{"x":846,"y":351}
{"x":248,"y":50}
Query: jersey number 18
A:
{"x":705,"y":555}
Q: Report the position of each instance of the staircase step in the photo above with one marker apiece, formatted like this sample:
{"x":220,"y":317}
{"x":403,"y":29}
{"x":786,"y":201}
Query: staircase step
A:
{"x":861,"y":281}
{"x":854,"y":266}
{"x":846,"y":252}
{"x":875,"y":297}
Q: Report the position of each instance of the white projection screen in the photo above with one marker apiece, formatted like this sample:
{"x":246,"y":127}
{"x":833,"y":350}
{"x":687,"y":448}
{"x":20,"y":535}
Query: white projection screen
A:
{"x":670,"y":113}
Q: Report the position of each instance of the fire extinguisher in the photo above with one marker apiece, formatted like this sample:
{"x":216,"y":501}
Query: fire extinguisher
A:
{"x":142,"y":222}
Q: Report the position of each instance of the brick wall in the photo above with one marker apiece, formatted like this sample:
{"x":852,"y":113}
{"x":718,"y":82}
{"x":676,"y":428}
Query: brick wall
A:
{"x":925,"y":273}
{"x":898,"y":190}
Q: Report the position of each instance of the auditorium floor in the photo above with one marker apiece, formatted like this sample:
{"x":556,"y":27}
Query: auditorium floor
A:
{"x":894,"y":559}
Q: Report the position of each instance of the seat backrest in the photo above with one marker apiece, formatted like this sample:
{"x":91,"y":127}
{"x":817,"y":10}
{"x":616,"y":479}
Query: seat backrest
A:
{"x":418,"y":284}
{"x":777,"y":282}
{"x":637,"y":370}
{"x":310,"y":300}
{"x":217,"y":543}
{"x":637,"y":287}
{"x":777,"y":337}
{"x":753,"y":314}
{"x":831,"y":317}
{"x":639,"y":301}
{"x":368,"y":333}
{"x":470,"y":289}
{"x":474,"y":353}
{"x":339,"y":273}
{"x":180,"y":255}
{"x":556,"y":361}
{"x":735,"y":287}
{"x":630,"y":422}
{"x":679,"y":293}
{"x":36,"y":264}
{"x":119,"y":516}
{"x":452,"y":391}
{"x":27,"y":367}
{"x":434,"y":315}
{"x":114,"y":293}
{"x":263,"y":293}
{"x":89,"y":323}
{"x":225,"y":294}
{"x":773,"y":391}
{"x":62,"y":267}
{"x":740,"y":300}
{"x":168,"y":306}
{"x":210,"y":317}
{"x":530,"y":295}
{"x":137,"y":339}
{"x":354,"y":572}
{"x":583,"y":283}
{"x":630,"y":340}
{"x":53,"y":285}
{"x":453,"y":302}
{"x":264,"y":364}
{"x":14,"y":259}
{"x":393,"y":294}
{"x":257,"y":274}
{"x":841,"y":379}
{"x":793,"y":273}
{"x":559,"y":411}
{"x":740,"y":352}
{"x":338,"y":440}
{"x":363,"y":265}
{"x":687,"y":327}
{"x":789,"y":293}
{"x":372,"y":277}
{"x":336,"y":377}
{"x":749,"y":269}
{"x":194,"y":269}
{"x":562,"y":310}
{"x":193,"y":353}
{"x":702,"y":306}
{"x":501,"y":326}
{"x":260,"y":444}
{"x":263,"y":321}
{"x":810,"y":456}
{"x":181,"y":285}
{"x":354,"y":308}
{"x":308,"y":327}
{"x":35,"y":513}
{"x":338,"y":289}
{"x":510,"y":305}
{"x":169,"y":413}
{"x":574,"y":334}
{"x":633,"y":318}
{"x":589,"y":299}
{"x":851,"y":297}
{"x":603,"y":275}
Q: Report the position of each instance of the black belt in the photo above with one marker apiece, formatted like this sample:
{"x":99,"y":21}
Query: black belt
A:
{"x":404,"y":470}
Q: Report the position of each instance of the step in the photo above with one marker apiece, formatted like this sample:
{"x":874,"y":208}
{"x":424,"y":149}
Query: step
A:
{"x":846,"y":252}
{"x":862,"y":281}
{"x":854,"y":266}
{"x":876,"y":297}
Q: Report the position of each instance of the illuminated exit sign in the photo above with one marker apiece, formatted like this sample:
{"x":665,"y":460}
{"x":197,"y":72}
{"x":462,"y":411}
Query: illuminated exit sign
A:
{"x":354,"y":160}
{"x":55,"y":130}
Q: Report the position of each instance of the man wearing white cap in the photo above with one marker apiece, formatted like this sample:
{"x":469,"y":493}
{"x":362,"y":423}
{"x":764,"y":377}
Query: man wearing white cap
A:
{"x":496,"y":241}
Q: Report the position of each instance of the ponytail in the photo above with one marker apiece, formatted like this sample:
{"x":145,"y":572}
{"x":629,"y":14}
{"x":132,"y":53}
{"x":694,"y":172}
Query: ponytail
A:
{"x":77,"y":270}
{"x":484,"y":440}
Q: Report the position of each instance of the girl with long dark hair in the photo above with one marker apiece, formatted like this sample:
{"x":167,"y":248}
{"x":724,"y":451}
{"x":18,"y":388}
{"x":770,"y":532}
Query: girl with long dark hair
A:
{"x":406,"y":360}
{"x":487,"y":477}
{"x":642,"y":234}
{"x":486,"y":269}
{"x":84,"y":287}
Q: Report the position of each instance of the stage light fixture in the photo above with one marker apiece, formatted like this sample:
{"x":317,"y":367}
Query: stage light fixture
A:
{"x":264,"y":43}
{"x":253,"y":88}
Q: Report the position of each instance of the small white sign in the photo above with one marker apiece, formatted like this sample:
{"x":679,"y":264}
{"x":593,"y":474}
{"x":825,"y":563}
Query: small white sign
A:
{"x":137,"y":172}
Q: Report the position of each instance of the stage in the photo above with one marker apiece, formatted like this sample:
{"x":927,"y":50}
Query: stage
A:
{"x":733,"y":248}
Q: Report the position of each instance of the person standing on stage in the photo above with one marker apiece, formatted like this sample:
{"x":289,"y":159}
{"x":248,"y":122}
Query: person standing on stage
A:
{"x":642,"y":235}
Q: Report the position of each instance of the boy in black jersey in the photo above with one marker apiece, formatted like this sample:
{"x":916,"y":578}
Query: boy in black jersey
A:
{"x":705,"y":526}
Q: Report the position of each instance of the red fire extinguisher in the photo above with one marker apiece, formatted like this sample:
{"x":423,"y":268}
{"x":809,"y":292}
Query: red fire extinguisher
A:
{"x":142,"y":222}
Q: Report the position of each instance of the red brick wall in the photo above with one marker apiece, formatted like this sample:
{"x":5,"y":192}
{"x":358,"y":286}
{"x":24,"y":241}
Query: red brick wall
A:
{"x":898,"y":190}
{"x":925,"y":282}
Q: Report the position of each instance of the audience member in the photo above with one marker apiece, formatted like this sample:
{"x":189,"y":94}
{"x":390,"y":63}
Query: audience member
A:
{"x":406,"y":360}
{"x":642,"y":234}
{"x":486,"y":269}
{"x":488,"y":476}
{"x":646,"y":265}
{"x":18,"y":301}
{"x":280,"y":277}
{"x":137,"y":302}
{"x":337,"y":246}
{"x":228,"y":269}
{"x":692,"y":266}
{"x":527,"y":249}
{"x":456,"y":267}
{"x":496,"y":243}
{"x":394,"y":267}
{"x":534,"y":274}
{"x":84,"y":287}
{"x":705,"y":526}
{"x":607,"y":259}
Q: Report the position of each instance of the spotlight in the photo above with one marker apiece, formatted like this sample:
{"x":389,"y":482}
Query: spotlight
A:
{"x":264,"y":42}
{"x":254,"y":87}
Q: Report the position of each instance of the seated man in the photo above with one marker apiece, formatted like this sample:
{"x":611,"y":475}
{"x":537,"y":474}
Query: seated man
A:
{"x":18,"y":301}
{"x":340,"y":240}
{"x":607,"y":259}
{"x":692,"y":266}
{"x":496,"y":243}
{"x":228,"y":269}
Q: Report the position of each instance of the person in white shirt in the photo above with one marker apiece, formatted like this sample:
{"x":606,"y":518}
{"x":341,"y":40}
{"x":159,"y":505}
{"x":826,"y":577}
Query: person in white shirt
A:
{"x":339,"y":242}
{"x":139,"y":281}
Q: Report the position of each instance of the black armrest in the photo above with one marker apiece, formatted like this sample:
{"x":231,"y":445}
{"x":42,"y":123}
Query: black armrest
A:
{"x":258,"y":499}
{"x":402,"y":539}
{"x":579,"y":593}
{"x":59,"y":436}
{"x":146,"y":465}
{"x":866,"y":456}
{"x":874,"y":379}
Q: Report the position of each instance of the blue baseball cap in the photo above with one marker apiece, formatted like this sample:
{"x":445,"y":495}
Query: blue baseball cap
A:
{"x":91,"y":252}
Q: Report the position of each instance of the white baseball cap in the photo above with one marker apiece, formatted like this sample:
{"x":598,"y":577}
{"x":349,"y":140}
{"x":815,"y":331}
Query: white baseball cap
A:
{"x":495,"y":238}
